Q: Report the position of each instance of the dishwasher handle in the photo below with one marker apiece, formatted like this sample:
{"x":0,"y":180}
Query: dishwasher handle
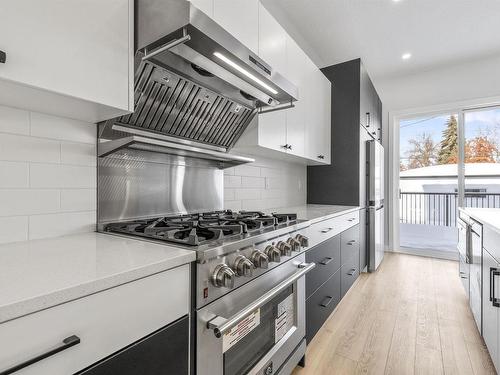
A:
{"x":221,"y":325}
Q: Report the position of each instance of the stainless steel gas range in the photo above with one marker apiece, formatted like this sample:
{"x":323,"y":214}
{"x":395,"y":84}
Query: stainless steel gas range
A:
{"x":197,"y":89}
{"x":249,"y":286}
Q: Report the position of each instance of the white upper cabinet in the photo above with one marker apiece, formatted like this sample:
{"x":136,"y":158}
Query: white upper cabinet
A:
{"x":206,"y":6}
{"x":296,"y":116}
{"x":272,"y":49}
{"x":240,"y":18}
{"x":71,"y":58}
{"x":302,"y":131}
{"x":272,"y":41}
{"x":317,"y":93}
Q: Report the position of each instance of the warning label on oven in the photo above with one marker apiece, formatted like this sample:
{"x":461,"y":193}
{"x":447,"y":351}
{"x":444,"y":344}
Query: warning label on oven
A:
{"x":239,"y":331}
{"x":285,"y":319}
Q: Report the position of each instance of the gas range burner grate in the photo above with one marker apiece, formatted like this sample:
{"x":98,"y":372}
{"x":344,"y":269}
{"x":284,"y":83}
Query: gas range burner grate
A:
{"x":200,"y":228}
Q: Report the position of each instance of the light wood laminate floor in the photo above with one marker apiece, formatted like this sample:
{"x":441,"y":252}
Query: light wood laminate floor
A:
{"x":410,"y":317}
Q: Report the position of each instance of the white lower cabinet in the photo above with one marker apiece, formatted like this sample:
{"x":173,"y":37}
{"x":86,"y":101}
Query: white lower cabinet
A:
{"x":491,"y":294}
{"x":104,"y":322}
{"x":68,"y":58}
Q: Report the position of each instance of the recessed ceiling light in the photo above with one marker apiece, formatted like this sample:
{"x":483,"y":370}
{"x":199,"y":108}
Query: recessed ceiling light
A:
{"x":406,"y":56}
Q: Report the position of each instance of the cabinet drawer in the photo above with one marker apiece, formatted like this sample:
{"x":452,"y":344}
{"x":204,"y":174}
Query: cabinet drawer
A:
{"x":349,"y":246}
{"x":326,"y":255}
{"x":349,"y":272}
{"x":321,"y":304}
{"x":105,"y":322}
{"x":326,"y":229}
{"x":163,"y":352}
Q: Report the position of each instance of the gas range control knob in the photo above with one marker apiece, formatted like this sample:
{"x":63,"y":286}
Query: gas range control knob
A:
{"x":243,"y":266}
{"x":259,"y":259}
{"x":303,"y":240}
{"x":223,"y":276}
{"x":273,"y":253}
{"x":294,"y":244}
{"x":284,"y":248}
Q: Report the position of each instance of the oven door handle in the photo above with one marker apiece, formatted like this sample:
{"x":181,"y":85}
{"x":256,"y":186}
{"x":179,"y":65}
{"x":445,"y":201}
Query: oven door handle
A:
{"x":221,"y":325}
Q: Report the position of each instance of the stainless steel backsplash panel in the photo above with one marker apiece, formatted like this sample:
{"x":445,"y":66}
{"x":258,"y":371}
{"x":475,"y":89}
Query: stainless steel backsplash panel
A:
{"x":134,"y":184}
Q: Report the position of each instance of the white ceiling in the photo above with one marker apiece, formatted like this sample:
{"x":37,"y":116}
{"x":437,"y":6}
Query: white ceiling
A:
{"x":436,"y":32}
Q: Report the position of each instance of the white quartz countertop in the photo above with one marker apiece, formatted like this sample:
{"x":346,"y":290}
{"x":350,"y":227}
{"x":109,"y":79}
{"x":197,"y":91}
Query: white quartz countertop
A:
{"x":486,"y":216}
{"x":316,"y":212}
{"x":38,"y":274}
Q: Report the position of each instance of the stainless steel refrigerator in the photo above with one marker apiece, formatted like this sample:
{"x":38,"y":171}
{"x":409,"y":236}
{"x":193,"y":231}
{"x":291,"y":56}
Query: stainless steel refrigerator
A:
{"x":375,"y":198}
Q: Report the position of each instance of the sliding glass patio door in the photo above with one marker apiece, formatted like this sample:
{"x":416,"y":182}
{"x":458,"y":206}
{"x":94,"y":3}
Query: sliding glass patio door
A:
{"x":428,"y":184}
{"x":447,"y":160}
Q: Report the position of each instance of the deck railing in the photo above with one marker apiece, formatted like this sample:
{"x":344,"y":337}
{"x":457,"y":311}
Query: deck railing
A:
{"x":440,"y":208}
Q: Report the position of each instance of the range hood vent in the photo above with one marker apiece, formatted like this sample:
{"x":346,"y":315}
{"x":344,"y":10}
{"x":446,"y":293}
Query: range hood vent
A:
{"x":169,"y":104}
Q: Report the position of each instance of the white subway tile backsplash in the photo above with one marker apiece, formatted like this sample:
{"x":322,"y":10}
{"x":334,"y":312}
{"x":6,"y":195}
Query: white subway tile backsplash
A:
{"x":13,"y":229}
{"x":14,"y":120}
{"x":247,"y":170}
{"x":47,"y":175}
{"x":276,"y":183}
{"x":14,"y":174}
{"x":15,"y":202}
{"x":271,"y":172}
{"x":253,"y":182}
{"x":232,"y":181}
{"x":229,"y":194}
{"x":62,"y":176}
{"x":25,"y":148}
{"x":265,"y":184}
{"x":48,"y":126}
{"x":53,"y":225}
{"x":78,"y":154}
{"x":272,"y":193}
{"x":78,"y":199}
{"x":244,"y":194}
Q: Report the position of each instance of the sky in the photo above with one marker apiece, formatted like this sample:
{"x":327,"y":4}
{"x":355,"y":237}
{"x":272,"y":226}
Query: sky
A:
{"x":475,"y":122}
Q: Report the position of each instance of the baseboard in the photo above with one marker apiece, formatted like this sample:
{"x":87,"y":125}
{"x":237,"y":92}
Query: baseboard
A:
{"x":429,"y":253}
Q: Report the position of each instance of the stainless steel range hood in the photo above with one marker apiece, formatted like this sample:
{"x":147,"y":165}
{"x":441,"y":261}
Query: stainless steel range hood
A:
{"x":177,"y":27}
{"x":196,"y":86}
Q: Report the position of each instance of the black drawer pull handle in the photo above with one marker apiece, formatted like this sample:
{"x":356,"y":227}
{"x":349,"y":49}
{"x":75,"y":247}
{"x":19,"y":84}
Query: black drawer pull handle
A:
{"x":3,"y":57}
{"x":326,"y":230}
{"x":326,"y":301}
{"x":68,"y":342}
{"x":325,"y":261}
{"x":351,"y":271}
{"x":351,"y":242}
{"x":494,"y":272}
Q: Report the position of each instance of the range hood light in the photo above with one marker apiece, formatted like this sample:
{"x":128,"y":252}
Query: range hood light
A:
{"x":245,"y":72}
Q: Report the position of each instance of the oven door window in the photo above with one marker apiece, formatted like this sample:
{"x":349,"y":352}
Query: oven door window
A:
{"x":267,"y":326}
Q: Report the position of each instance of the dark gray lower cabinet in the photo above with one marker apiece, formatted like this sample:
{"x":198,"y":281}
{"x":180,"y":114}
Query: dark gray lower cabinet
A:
{"x":326,"y":255}
{"x":349,"y":272}
{"x":337,"y":268}
{"x":320,"y":305}
{"x":164,"y":352}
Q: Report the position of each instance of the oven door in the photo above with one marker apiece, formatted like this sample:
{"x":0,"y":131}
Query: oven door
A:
{"x":256,"y":327}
